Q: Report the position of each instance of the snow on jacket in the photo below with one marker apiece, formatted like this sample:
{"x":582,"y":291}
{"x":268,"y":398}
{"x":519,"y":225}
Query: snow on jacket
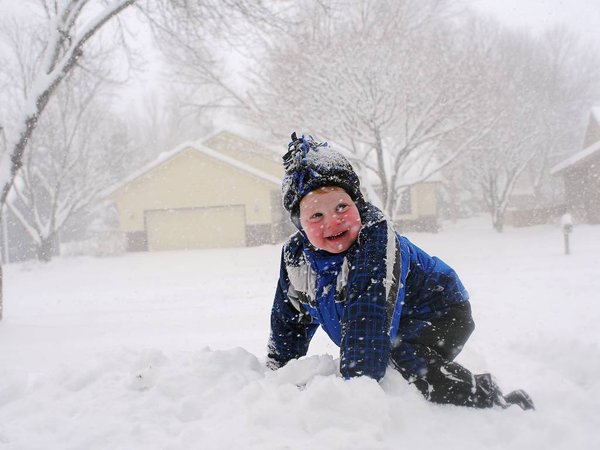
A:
{"x":358,"y":297}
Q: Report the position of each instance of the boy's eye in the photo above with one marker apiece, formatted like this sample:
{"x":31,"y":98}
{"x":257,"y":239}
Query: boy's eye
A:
{"x":316,"y":216}
{"x":341,"y":207}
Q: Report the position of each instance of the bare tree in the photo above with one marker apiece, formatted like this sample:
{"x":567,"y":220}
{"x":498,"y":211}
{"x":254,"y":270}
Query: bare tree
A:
{"x":208,"y":43}
{"x":511,"y":77}
{"x":572,"y":87}
{"x":532,"y":97}
{"x":76,"y":152}
{"x":391,"y":82}
{"x":68,"y":27}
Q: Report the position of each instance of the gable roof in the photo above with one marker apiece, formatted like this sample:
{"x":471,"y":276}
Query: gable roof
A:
{"x":246,"y":151}
{"x":591,"y":142}
{"x":249,"y":146}
{"x":201,"y":148}
{"x":577,"y":158}
{"x":592,"y":131}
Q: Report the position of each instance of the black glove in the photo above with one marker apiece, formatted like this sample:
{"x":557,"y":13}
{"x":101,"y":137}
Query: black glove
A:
{"x":487,"y":388}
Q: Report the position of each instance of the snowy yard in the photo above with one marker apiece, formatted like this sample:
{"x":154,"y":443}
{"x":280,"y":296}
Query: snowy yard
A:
{"x":165,"y":351}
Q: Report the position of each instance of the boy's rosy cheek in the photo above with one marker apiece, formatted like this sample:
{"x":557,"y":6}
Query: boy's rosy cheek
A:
{"x":313,"y":228}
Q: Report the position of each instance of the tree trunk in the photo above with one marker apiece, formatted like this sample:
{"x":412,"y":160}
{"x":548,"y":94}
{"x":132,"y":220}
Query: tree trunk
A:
{"x":498,"y":221}
{"x":382,"y":173}
{"x":46,"y":249}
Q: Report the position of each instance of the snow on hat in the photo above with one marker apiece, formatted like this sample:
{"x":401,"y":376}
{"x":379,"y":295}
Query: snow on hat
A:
{"x":310,"y":165}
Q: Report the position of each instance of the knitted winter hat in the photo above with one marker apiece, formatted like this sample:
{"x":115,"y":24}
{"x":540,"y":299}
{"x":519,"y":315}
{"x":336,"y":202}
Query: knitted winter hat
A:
{"x":310,"y":165}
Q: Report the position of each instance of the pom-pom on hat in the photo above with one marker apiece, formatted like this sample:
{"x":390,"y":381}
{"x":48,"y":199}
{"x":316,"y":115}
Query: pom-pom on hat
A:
{"x":310,"y":165}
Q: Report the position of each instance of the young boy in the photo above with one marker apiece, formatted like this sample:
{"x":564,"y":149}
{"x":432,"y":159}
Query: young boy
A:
{"x":379,"y":297}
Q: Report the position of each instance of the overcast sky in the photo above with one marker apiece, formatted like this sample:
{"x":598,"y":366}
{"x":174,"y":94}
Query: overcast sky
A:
{"x":581,"y":16}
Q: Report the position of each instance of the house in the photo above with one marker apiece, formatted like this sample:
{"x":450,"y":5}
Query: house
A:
{"x":418,"y":208}
{"x":224,"y":191}
{"x":581,"y":175}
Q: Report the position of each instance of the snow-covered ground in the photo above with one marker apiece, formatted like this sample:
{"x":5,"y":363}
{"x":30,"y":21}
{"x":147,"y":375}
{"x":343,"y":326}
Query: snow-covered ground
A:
{"x":165,"y":351}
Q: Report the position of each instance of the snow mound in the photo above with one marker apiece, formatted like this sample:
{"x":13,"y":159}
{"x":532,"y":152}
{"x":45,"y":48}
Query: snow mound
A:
{"x":222,"y":399}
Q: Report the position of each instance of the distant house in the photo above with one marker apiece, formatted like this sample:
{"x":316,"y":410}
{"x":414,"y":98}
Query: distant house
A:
{"x":220,"y":192}
{"x":418,"y":209}
{"x":581,"y":175}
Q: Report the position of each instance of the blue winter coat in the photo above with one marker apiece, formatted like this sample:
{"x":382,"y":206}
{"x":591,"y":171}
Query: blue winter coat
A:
{"x":359,"y":297}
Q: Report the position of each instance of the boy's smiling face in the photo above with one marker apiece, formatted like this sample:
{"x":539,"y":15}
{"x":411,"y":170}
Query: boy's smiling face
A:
{"x":330,"y":219}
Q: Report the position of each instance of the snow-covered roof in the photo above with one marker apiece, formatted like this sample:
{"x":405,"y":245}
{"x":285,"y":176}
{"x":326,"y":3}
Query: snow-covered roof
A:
{"x":576,"y":158}
{"x":197,"y":146}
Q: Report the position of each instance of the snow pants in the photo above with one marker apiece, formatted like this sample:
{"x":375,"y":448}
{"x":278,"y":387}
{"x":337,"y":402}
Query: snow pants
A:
{"x":424,"y":354}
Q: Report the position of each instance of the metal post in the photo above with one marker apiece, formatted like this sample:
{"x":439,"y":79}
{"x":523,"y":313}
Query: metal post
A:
{"x":567,"y":226}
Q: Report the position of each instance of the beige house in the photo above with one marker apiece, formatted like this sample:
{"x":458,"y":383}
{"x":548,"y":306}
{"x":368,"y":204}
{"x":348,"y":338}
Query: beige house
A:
{"x":221,"y":192}
{"x":418,"y":208}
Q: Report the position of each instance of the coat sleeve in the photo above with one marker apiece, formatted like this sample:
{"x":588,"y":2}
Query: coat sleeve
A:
{"x":291,"y":327}
{"x":432,"y":287}
{"x":365,"y":344}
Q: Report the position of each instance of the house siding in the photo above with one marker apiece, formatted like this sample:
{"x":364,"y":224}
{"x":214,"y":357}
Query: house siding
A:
{"x":582,"y":191}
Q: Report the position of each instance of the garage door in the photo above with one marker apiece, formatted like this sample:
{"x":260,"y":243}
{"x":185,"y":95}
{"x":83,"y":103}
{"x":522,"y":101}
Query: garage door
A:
{"x":175,"y":229}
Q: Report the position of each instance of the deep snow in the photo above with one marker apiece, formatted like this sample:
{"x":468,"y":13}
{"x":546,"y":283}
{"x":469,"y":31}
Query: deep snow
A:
{"x":165,"y":351}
